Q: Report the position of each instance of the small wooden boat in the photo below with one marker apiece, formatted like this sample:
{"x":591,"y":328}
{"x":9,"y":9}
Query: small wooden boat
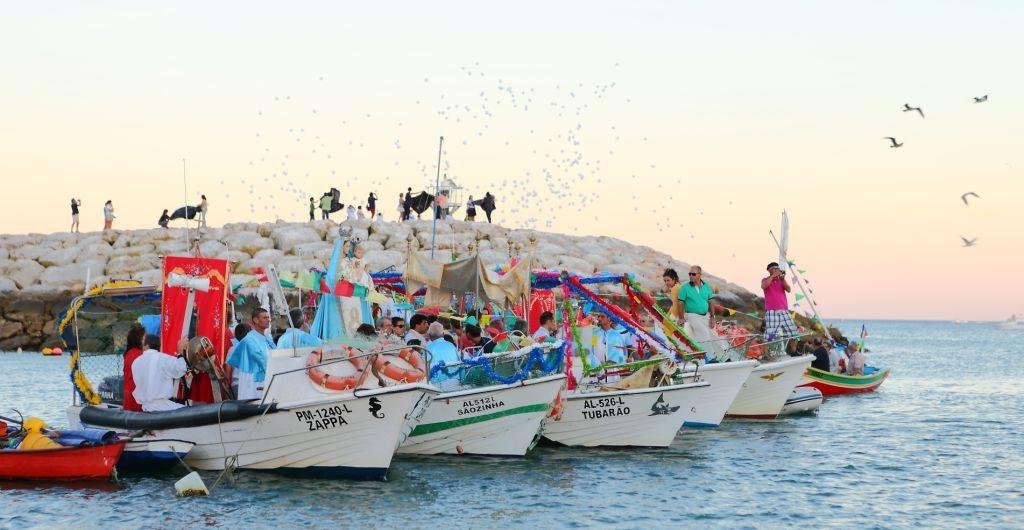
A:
{"x":61,"y":463}
{"x":838,"y":384}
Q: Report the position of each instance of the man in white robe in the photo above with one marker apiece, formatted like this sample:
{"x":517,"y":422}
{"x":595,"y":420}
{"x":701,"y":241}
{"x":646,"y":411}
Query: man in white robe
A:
{"x":156,"y":377}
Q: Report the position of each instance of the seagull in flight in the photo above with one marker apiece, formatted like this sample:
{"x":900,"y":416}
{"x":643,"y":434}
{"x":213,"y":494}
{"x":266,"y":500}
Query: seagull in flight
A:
{"x":969,"y":194}
{"x":982,"y":99}
{"x":895,"y":144}
{"x":968,"y":242}
{"x":908,"y":108}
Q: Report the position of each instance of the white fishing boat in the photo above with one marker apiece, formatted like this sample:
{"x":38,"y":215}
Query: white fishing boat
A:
{"x":1012,"y":324}
{"x":803,"y":400}
{"x":768,"y":387}
{"x":638,"y":417}
{"x":301,"y":427}
{"x":726,"y":380}
{"x":493,"y":420}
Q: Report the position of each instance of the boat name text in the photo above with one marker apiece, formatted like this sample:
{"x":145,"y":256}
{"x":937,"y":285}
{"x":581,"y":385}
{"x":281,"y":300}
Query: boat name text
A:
{"x":604,"y":408}
{"x":324,"y":418}
{"x":472,"y":406}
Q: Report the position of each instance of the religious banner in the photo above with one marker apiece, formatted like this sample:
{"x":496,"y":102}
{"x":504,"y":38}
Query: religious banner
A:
{"x":210,"y":306}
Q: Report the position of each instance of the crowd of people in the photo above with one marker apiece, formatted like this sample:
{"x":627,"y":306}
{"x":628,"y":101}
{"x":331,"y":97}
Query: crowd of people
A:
{"x":151,"y":378}
{"x":692,"y":306}
{"x":188,"y":212}
{"x":408,"y":205}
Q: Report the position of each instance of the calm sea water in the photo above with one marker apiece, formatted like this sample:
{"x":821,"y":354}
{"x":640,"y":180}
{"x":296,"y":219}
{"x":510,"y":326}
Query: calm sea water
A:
{"x":940,"y":445}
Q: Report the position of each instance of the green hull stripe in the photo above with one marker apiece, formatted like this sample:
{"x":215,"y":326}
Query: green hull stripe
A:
{"x":847,"y":380}
{"x":428,"y":428}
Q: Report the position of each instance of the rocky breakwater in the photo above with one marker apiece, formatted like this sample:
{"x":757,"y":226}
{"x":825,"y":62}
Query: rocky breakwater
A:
{"x":41,"y":273}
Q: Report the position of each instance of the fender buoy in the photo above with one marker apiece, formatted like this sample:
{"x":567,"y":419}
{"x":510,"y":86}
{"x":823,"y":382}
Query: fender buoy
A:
{"x":334,"y":382}
{"x":397,"y":373}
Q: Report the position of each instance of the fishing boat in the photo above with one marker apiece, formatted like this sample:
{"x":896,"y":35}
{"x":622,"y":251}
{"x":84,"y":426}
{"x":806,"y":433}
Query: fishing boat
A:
{"x":726,"y":381}
{"x":638,"y":417}
{"x":62,"y":463}
{"x":803,"y":400}
{"x":831,"y":384}
{"x":483,"y":412}
{"x":147,"y":454}
{"x":301,"y":427}
{"x":336,"y":410}
{"x":1012,"y":324}
{"x":768,"y":387}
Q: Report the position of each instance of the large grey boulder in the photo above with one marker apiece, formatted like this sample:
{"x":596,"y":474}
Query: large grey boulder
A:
{"x":25,"y":272}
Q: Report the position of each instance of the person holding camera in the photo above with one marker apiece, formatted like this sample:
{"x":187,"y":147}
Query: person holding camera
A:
{"x":777,"y":320}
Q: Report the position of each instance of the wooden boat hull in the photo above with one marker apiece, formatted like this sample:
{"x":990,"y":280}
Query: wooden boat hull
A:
{"x":840,"y":384}
{"x":640,"y":417}
{"x":499,"y":420}
{"x":767,"y":388}
{"x":64,"y":463}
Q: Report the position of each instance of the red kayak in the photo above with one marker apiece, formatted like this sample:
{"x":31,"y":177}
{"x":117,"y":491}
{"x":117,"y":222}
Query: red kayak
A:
{"x":61,"y":463}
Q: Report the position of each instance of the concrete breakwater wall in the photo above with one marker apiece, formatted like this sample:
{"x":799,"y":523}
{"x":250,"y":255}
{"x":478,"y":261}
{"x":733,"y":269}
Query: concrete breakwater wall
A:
{"x":40,"y":273}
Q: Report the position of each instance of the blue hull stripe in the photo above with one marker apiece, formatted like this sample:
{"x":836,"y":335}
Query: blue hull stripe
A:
{"x":699,"y":425}
{"x":332,"y":472}
{"x":148,"y":460}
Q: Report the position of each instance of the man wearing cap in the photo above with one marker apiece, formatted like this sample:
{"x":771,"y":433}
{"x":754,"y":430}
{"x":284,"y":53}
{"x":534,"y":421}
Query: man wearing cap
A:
{"x":778,"y":323}
{"x":695,"y":297}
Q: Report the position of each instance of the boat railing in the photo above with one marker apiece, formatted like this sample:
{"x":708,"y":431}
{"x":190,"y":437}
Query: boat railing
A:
{"x":757,"y":346}
{"x":371,"y":365}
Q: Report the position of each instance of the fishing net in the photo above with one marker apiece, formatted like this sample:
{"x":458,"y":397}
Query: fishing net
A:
{"x":99,"y":331}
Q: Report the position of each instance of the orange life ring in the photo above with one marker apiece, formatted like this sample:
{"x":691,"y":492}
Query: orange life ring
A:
{"x":334,"y":382}
{"x":397,"y":373}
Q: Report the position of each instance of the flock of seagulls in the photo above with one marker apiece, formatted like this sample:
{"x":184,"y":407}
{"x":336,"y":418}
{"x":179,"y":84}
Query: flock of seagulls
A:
{"x":908,"y":108}
{"x":559,"y":144}
{"x":893,"y":144}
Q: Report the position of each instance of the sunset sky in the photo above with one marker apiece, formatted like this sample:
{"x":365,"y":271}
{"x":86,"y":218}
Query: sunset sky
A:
{"x":684,"y":126}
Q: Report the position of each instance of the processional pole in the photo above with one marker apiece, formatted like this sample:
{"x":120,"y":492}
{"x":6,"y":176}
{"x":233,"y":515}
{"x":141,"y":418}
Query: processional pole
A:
{"x":437,"y":207}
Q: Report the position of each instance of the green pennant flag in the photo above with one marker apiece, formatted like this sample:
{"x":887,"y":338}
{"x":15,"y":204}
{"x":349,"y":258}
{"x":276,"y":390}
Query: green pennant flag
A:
{"x":799,"y":297}
{"x":801,"y":271}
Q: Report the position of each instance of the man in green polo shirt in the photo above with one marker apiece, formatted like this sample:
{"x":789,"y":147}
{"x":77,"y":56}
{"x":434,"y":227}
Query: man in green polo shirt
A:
{"x":695,"y":297}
